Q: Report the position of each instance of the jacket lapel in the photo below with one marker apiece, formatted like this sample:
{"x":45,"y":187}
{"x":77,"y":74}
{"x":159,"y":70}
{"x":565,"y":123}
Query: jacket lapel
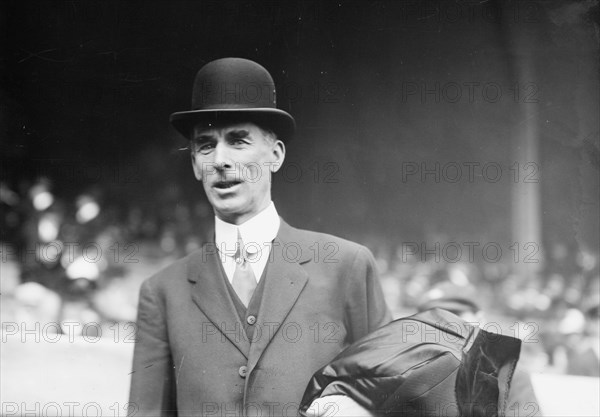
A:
{"x":210,"y":294}
{"x":285,"y":280}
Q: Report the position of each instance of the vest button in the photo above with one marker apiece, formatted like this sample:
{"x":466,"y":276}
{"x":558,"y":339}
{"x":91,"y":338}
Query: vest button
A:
{"x":251,"y":320}
{"x":243,"y":371}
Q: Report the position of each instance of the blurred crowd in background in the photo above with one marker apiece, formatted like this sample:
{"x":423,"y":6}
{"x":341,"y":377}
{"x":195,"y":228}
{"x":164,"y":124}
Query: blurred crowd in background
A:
{"x":82,"y":261}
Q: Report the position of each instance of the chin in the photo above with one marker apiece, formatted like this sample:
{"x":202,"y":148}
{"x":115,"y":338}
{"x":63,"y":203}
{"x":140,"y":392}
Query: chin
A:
{"x":228,"y":208}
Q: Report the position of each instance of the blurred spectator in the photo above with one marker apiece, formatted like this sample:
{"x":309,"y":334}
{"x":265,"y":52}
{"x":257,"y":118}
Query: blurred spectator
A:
{"x":39,"y":305}
{"x":584,"y":356}
{"x":132,"y":237}
{"x":461,"y":301}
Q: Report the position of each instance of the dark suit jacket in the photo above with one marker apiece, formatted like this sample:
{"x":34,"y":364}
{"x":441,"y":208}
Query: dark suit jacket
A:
{"x":192,"y":356}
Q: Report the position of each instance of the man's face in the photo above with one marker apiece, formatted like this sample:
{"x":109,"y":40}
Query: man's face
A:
{"x":234,"y":163}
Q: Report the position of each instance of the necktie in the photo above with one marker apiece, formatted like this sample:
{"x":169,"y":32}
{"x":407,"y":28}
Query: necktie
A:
{"x":244,"y":281}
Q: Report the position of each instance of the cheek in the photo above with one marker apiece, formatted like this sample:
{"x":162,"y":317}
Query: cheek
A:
{"x":248,"y":171}
{"x":196,"y":165}
{"x":252,"y":173}
{"x":257,"y":180}
{"x":203,"y":169}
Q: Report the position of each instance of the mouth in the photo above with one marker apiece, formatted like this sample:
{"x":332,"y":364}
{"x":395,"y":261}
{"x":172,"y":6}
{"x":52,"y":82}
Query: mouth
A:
{"x":224,"y":185}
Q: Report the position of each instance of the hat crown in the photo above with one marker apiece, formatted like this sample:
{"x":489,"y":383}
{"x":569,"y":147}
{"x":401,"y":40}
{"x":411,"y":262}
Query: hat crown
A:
{"x":234,"y":90}
{"x":233,"y":83}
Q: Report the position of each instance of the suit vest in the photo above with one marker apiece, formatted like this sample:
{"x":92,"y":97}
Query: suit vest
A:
{"x":247,"y":315}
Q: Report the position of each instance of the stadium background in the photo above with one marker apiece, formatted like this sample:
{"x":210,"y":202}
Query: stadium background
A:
{"x":428,"y":131}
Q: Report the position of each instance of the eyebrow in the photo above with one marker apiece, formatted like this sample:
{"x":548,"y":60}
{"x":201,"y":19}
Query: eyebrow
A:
{"x":237,"y":134}
{"x":203,"y":138}
{"x":231,"y":135}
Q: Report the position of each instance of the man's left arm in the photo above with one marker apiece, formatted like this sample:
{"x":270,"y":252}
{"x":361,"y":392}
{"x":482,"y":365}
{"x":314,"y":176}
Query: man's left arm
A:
{"x":367,"y":311}
{"x":365,"y":303}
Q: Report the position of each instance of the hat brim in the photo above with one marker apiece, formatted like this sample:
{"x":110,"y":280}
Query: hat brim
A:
{"x":281,"y":122}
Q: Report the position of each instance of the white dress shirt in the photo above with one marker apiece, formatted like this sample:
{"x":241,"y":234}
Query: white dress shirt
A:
{"x":257,"y":234}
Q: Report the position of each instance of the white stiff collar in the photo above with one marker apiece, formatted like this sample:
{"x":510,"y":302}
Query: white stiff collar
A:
{"x":256,"y":232}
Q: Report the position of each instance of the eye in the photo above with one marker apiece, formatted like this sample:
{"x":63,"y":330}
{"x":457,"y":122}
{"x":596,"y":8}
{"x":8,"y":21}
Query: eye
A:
{"x":203,"y":147}
{"x":239,"y":141}
{"x":238,"y":138}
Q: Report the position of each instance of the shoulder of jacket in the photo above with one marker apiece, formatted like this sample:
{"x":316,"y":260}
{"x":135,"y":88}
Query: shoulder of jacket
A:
{"x":343,"y":246}
{"x":174,"y":272}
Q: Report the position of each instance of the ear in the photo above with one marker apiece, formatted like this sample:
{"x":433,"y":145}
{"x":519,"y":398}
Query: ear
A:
{"x":278,"y":155}
{"x":197,"y":169}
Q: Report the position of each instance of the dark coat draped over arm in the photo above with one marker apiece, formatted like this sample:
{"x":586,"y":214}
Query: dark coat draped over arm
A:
{"x":430,"y":364}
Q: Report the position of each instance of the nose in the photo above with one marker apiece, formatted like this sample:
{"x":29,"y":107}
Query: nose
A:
{"x":222,"y":157}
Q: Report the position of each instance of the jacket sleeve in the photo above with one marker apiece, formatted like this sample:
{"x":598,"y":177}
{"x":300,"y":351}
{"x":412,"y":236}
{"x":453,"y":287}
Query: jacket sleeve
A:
{"x":152,"y":384}
{"x":366,"y":306}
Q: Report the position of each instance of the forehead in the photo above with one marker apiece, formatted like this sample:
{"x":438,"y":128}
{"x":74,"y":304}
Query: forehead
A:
{"x":217,"y":131}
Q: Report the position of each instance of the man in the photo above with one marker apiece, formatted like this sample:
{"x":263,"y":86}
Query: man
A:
{"x":239,"y":327}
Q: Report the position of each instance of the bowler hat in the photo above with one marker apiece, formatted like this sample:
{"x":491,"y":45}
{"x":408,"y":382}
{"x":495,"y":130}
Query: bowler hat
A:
{"x":234,"y":90}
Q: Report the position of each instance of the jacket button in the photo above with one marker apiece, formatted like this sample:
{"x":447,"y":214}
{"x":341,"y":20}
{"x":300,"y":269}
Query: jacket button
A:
{"x":243,"y":371}
{"x":251,"y":320}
